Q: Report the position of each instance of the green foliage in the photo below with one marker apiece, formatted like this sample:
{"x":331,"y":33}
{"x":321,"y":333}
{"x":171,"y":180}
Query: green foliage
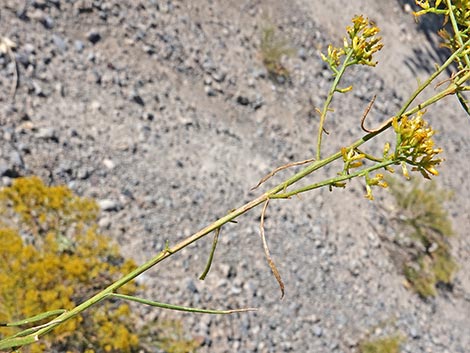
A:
{"x":389,"y":344}
{"x":272,"y":50}
{"x":52,"y":258}
{"x":424,"y":220}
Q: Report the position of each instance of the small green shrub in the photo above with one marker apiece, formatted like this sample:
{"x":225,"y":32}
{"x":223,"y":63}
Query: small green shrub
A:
{"x":382,"y":345}
{"x":422,"y":218}
{"x":272,"y":50}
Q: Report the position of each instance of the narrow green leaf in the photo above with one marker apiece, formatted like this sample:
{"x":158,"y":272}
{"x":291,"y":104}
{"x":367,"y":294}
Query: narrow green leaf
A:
{"x":177,"y":307}
{"x":211,"y":255}
{"x":35,"y":318}
{"x":463,"y":103}
{"x":17,"y":342}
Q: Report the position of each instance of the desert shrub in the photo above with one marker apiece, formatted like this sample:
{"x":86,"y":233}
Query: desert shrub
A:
{"x":53,"y":258}
{"x":390,"y":344}
{"x":423,"y":220}
{"x":273,"y":48}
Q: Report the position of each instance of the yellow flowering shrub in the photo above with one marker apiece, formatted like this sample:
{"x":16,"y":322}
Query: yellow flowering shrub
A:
{"x":53,"y":258}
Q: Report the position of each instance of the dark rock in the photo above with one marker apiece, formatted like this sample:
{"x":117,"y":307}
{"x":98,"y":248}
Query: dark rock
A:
{"x":135,"y":97}
{"x":8,"y":171}
{"x":93,"y":36}
{"x":243,"y":100}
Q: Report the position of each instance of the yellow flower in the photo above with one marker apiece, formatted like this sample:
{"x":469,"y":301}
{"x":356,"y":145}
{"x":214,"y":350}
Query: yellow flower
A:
{"x":415,"y":145}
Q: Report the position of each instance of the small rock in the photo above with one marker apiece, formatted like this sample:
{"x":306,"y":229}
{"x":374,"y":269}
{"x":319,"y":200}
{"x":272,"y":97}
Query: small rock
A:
{"x":302,"y":54}
{"x":243,"y":100}
{"x":79,"y":46}
{"x":108,"y":205}
{"x":148,"y":116}
{"x":135,"y":97}
{"x":209,"y":91}
{"x":47,"y":22}
{"x":59,"y":42}
{"x":104,"y":222}
{"x":257,"y":102}
{"x":108,"y":163}
{"x":317,"y":331}
{"x":414,"y":333}
{"x":148,"y":49}
{"x":7,"y":181}
{"x":219,"y":76}
{"x":47,"y":133}
{"x":93,"y":36}
{"x":83,"y":173}
{"x":95,"y":106}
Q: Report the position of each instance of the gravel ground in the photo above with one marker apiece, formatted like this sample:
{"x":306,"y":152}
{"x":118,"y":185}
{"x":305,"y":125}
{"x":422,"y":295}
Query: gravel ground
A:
{"x":163,"y":112}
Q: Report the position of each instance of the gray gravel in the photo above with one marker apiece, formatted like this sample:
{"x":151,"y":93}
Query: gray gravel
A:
{"x":163,"y":111}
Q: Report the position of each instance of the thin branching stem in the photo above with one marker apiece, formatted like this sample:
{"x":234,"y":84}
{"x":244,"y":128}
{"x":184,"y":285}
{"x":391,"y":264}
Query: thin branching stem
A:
{"x":333,"y":181}
{"x":347,"y":62}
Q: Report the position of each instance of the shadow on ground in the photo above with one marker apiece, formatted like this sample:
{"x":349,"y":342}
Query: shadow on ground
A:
{"x":425,"y":56}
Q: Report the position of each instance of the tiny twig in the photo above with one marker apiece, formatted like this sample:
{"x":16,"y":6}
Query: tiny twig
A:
{"x":267,"y":253}
{"x":211,"y":255}
{"x":366,"y":112}
{"x":282,"y":167}
{"x":451,"y":78}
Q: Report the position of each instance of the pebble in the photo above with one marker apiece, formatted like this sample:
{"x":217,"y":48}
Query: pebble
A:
{"x":93,"y":36}
{"x":79,"y":46}
{"x":108,"y":205}
{"x":108,"y":163}
{"x":47,"y":133}
{"x":59,"y":42}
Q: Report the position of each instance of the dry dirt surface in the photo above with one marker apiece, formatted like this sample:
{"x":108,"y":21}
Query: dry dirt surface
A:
{"x":163,"y":111}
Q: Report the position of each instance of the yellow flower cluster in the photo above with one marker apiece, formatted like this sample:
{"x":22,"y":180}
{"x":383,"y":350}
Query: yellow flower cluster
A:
{"x":363,"y":40}
{"x":361,"y":45}
{"x":352,"y":159}
{"x":415,"y":145}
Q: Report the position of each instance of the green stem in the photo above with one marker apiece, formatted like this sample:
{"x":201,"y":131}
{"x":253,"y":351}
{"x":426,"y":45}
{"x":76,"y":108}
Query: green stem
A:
{"x":329,"y":98}
{"x":332,"y":181}
{"x":455,"y":27}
